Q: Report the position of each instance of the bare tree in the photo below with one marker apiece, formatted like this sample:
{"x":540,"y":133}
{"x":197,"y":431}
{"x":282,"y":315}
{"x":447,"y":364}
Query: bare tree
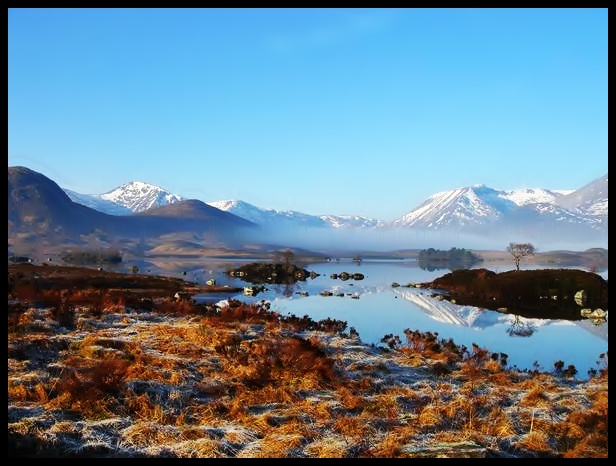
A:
{"x":288,"y":256}
{"x":519,"y":250}
{"x":285,"y":256}
{"x":519,"y":328}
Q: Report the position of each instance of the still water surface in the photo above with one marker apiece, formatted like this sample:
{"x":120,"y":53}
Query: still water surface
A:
{"x":374,"y":308}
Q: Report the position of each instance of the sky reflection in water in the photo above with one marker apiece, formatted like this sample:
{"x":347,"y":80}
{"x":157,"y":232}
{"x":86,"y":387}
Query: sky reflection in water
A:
{"x":382,"y":309}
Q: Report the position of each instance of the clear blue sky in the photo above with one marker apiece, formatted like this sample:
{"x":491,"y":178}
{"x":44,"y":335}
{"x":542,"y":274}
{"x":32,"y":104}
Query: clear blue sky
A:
{"x":324,"y":111}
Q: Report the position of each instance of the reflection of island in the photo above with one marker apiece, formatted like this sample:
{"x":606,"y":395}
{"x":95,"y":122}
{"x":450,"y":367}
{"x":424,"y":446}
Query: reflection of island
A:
{"x":444,"y":311}
{"x":598,"y":330}
{"x":466,"y":316}
{"x":543,"y":293}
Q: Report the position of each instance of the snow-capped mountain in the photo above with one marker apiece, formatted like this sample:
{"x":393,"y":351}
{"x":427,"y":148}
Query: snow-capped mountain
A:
{"x":460,"y":208}
{"x":94,"y":201}
{"x":589,"y":200}
{"x":135,"y":196}
{"x":578,"y":216}
{"x":528,"y":196}
{"x":272,"y":217}
{"x":268,"y":217}
{"x":352,"y":221}
{"x":476,"y":206}
{"x":479,"y":209}
{"x":139,"y":196}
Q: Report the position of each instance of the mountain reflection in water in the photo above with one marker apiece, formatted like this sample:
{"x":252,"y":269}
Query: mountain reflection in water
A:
{"x":380,"y":309}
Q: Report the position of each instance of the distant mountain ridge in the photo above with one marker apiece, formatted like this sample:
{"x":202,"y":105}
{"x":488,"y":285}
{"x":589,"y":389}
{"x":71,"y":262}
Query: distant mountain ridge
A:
{"x":39,"y":210}
{"x":479,"y":207}
{"x":474,"y":208}
{"x":571,"y":217}
{"x":95,"y":201}
{"x":266,"y":216}
{"x":134,"y":196}
{"x":591,"y":199}
{"x":139,"y":197}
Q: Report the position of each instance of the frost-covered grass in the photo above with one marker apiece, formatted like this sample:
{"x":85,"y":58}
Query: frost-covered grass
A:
{"x":183,"y":380}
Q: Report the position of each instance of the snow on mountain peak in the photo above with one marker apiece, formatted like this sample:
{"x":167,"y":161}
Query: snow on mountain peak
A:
{"x":476,"y":209}
{"x":461,"y":206}
{"x":139,"y":196}
{"x":224,"y":205}
{"x":270,"y":217}
{"x":526,"y":196}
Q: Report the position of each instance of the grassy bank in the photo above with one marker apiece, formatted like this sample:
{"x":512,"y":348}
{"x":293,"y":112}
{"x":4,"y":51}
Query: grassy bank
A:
{"x":102,"y":372}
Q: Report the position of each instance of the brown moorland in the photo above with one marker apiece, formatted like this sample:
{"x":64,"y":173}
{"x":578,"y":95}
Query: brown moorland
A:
{"x":102,"y":364}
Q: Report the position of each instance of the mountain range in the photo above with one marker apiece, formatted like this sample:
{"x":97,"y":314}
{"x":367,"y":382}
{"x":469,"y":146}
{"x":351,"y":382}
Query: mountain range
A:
{"x":476,"y":216}
{"x":41,"y":213}
{"x":138,"y":196}
{"x":135,"y":196}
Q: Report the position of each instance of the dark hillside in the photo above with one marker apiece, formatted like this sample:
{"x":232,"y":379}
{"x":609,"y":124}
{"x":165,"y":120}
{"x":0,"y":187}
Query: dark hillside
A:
{"x":41,"y":211}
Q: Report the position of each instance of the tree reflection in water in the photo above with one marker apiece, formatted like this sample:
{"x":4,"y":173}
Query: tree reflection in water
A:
{"x":519,"y":328}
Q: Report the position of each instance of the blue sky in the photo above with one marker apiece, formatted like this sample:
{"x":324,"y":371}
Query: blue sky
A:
{"x":323,"y":111}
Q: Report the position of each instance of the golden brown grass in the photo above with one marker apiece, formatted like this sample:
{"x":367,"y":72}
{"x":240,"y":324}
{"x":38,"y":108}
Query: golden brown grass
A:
{"x":181,"y":380}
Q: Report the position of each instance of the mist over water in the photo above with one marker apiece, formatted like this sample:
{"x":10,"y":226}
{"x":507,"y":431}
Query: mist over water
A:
{"x":394,"y":238}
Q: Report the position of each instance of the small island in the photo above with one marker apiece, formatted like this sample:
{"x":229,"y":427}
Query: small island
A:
{"x":542,"y":293}
{"x":269,"y":272}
